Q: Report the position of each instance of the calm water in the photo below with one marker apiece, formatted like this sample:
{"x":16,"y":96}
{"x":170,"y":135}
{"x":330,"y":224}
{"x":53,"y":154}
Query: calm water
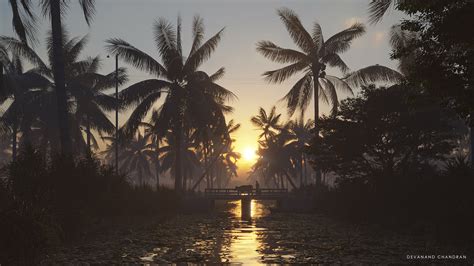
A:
{"x":267,"y":238}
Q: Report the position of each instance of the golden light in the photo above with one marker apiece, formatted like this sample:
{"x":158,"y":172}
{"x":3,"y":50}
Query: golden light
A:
{"x":249,"y":154}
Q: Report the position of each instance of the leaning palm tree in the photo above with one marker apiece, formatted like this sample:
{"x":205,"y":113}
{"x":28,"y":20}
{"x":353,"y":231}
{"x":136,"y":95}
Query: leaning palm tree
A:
{"x":268,"y":123}
{"x":193,"y":98}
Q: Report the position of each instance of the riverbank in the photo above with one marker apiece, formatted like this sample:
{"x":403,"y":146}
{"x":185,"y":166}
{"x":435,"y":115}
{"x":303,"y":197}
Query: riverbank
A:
{"x":269,"y":238}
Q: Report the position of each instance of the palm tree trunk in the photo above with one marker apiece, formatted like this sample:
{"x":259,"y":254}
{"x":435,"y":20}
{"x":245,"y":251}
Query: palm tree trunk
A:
{"x":14,"y":140}
{"x":88,"y":135}
{"x":471,"y":128}
{"x":301,"y":170}
{"x":59,"y":77}
{"x":315,"y":70}
{"x":157,"y":165}
{"x":178,"y":179}
{"x":305,"y":181}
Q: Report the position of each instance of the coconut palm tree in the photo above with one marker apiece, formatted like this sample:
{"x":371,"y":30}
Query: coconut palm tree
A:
{"x":275,"y":160}
{"x":189,"y":158}
{"x":193,"y":98}
{"x":56,"y":9}
{"x":268,"y":123}
{"x":136,"y":158}
{"x":317,"y":53}
{"x":300,"y":138}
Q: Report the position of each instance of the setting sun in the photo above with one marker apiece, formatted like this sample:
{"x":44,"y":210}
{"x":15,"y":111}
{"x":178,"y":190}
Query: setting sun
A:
{"x":249,"y":154}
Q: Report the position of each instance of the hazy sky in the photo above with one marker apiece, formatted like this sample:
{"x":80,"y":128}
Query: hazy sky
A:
{"x":246,"y":23}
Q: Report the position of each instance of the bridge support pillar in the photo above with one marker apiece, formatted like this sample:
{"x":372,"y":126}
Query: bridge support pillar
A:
{"x":246,"y":208}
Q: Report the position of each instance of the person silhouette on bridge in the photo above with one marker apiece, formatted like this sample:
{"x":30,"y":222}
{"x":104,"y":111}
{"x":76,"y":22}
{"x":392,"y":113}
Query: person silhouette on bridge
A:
{"x":257,"y":187}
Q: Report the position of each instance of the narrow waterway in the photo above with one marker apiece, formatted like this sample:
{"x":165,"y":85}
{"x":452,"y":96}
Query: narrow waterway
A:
{"x":221,"y":236}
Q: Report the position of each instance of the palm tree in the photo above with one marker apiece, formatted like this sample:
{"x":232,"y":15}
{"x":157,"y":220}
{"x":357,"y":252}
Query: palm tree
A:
{"x":315,"y":54}
{"x":275,"y":160}
{"x":136,"y":157}
{"x":300,"y":138}
{"x":87,"y":102}
{"x":193,"y":98}
{"x":312,"y":60}
{"x":55,"y":9}
{"x":21,"y":87}
{"x":187,"y":151}
{"x":268,"y":123}
{"x":152,"y":133}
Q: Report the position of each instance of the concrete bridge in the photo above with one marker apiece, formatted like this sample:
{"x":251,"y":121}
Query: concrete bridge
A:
{"x":245,"y":196}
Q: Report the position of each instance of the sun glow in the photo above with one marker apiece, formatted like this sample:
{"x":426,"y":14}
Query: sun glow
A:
{"x":249,"y":154}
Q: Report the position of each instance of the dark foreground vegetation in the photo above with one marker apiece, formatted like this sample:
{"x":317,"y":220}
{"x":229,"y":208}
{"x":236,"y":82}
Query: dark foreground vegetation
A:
{"x":46,"y":203}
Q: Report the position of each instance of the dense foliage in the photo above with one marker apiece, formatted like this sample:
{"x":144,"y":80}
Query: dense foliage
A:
{"x":44,"y":202}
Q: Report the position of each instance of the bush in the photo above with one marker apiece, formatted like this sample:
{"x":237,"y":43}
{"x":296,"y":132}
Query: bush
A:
{"x":46,"y":201}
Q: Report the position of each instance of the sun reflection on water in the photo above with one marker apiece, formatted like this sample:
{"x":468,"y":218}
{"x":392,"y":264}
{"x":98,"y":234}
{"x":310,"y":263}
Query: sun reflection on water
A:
{"x":245,"y":235}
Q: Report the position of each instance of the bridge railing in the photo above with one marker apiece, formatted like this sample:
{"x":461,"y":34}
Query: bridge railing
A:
{"x":253,"y":192}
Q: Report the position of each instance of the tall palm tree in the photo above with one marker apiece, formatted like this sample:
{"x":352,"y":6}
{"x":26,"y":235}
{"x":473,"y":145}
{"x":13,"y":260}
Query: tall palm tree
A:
{"x":268,"y":123}
{"x":315,"y":54}
{"x":56,"y":9}
{"x":193,"y":98}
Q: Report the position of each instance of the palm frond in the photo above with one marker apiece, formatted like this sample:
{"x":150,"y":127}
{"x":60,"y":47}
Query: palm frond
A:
{"x":19,"y":48}
{"x":335,"y":60}
{"x":24,"y":23}
{"x":280,"y":75}
{"x":377,"y":9}
{"x":88,"y":8}
{"x":202,"y":53}
{"x":217,"y":75}
{"x":340,"y":84}
{"x":135,"y":57}
{"x":317,"y":36}
{"x":372,"y":74}
{"x":198,"y":33}
{"x":340,"y":42}
{"x":330,"y":92}
{"x":139,"y":113}
{"x":296,"y":30}
{"x":280,"y":55}
{"x":139,"y":91}
{"x":293,"y":97}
